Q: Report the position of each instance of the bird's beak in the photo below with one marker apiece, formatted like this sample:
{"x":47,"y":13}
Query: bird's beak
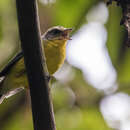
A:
{"x":68,"y":30}
{"x":66,"y":33}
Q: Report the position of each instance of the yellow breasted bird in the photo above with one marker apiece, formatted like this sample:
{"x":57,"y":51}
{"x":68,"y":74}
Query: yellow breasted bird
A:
{"x":13,"y":76}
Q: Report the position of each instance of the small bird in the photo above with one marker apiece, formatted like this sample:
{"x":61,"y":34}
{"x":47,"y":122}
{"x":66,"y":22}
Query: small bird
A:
{"x":13,"y":76}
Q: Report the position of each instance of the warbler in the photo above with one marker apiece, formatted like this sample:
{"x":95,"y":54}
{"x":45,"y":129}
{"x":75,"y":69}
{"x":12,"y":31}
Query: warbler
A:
{"x":13,"y":76}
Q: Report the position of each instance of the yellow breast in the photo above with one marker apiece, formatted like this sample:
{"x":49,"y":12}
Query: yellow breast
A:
{"x":55,"y":55}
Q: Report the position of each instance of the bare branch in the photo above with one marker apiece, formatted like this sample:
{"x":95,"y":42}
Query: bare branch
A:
{"x":34,"y":61}
{"x":125,"y":5}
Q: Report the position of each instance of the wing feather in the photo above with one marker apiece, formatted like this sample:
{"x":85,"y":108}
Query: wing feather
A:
{"x":7,"y":68}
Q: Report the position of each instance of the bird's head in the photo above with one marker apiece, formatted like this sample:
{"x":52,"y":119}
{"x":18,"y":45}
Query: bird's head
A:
{"x":57,"y":33}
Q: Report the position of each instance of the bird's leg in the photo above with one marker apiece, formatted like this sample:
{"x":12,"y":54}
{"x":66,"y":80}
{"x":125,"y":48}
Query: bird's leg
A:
{"x":1,"y":81}
{"x":2,"y":78}
{"x":48,"y":78}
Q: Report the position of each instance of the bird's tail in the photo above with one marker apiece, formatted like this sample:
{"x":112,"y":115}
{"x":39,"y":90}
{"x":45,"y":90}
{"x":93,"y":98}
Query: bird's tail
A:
{"x":4,"y":95}
{"x":10,"y":93}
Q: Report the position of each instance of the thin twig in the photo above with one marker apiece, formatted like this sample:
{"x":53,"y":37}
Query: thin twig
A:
{"x":125,"y":5}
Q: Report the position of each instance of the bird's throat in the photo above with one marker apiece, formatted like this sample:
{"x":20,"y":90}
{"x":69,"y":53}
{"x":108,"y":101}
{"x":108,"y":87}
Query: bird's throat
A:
{"x":55,"y":52}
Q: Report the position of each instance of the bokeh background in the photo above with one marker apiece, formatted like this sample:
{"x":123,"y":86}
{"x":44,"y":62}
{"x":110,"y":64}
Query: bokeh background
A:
{"x":93,"y":86}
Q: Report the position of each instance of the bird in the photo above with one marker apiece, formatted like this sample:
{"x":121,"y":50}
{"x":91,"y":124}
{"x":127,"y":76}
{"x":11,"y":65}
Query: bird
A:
{"x":13,"y":78}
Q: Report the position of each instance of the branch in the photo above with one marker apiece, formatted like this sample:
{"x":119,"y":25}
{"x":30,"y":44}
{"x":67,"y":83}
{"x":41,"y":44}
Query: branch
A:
{"x":125,"y":5}
{"x":34,"y":61}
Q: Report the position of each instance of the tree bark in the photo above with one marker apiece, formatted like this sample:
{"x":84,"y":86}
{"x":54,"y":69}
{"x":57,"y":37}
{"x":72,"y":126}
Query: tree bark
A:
{"x":30,"y":36}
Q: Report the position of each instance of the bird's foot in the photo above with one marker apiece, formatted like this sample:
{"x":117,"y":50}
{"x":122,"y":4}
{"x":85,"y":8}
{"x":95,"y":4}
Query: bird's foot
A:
{"x":48,"y":78}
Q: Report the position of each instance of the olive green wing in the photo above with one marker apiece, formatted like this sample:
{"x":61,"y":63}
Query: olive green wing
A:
{"x":8,"y":67}
{"x":3,"y":74}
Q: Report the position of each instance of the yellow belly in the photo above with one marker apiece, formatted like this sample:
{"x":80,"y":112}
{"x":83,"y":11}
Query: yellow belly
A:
{"x":55,"y":56}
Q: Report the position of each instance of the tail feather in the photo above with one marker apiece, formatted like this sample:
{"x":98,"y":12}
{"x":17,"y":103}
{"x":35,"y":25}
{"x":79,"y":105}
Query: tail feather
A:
{"x":1,"y":98}
{"x":10,"y":93}
{"x":1,"y":81}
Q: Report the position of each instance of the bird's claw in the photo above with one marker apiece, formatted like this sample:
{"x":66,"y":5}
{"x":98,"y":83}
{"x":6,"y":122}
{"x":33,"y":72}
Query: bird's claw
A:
{"x":48,"y":78}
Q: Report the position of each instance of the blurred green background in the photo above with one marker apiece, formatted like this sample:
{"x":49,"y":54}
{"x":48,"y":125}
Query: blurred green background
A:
{"x":78,"y":103}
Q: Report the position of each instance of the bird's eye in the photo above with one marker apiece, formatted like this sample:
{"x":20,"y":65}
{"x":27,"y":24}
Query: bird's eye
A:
{"x":55,"y":32}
